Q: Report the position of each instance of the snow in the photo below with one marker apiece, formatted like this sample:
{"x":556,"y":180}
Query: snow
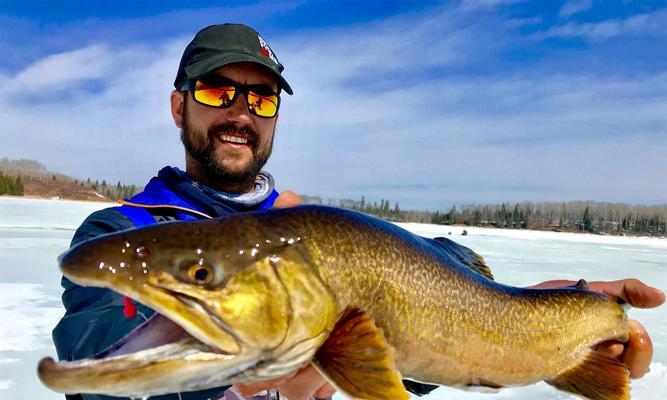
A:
{"x":34,"y":232}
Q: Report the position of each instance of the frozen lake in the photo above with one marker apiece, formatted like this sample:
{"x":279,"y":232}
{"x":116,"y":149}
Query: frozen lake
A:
{"x":34,"y":232}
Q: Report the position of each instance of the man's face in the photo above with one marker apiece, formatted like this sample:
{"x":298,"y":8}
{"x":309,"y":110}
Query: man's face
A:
{"x":230,"y":145}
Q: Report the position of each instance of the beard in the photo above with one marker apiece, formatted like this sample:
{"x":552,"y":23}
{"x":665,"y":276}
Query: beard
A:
{"x":231,"y":171}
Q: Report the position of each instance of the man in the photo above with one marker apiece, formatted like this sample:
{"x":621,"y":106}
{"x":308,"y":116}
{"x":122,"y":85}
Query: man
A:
{"x":226,"y":102}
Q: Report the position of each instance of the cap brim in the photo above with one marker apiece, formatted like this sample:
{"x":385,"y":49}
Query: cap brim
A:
{"x":208,"y":65}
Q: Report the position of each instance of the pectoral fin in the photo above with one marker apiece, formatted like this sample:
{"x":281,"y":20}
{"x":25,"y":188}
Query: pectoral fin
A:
{"x":357,"y":359}
{"x":597,"y":377}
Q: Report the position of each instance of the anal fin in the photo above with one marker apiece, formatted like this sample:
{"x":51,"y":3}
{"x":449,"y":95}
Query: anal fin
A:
{"x":596,"y":377}
{"x":357,"y":359}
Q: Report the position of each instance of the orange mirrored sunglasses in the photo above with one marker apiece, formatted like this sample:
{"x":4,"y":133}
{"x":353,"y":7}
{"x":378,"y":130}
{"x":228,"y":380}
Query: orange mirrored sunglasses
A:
{"x":221,"y":92}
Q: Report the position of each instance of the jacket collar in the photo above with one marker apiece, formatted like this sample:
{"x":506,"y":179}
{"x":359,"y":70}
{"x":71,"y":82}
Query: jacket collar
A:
{"x":173,"y":187}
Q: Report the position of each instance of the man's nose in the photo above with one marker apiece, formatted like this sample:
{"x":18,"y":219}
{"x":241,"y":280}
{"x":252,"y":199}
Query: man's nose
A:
{"x":238,"y":111}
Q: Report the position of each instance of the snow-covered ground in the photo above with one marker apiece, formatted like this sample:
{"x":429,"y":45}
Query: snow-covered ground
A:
{"x":34,"y":232}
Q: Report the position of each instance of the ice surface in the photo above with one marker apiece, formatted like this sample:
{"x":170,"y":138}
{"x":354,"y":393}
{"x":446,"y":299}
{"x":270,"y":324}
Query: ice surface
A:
{"x":34,"y":232}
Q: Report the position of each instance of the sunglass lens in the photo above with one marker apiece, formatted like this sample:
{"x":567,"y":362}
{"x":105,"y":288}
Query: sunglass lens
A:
{"x":214,"y":96}
{"x":263,"y":105}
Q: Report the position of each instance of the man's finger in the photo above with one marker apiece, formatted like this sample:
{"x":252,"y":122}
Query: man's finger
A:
{"x":302,"y":385}
{"x":632,"y":291}
{"x":287,"y":199}
{"x":638,"y":350}
{"x":327,"y":390}
{"x":248,"y":389}
{"x":611,"y":349}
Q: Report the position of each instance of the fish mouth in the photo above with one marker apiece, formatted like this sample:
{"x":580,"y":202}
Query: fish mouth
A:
{"x":157,"y":357}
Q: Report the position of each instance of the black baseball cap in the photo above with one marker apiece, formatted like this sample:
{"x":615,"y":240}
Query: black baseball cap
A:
{"x":218,"y":45}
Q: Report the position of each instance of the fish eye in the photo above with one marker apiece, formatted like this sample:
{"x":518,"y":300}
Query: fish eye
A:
{"x":200,"y":273}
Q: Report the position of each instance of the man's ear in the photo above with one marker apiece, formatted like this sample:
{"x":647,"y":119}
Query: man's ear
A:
{"x":177,"y":104}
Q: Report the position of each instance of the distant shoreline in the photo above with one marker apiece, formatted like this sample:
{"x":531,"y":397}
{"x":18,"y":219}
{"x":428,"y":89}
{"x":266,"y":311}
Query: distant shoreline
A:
{"x":458,"y":227}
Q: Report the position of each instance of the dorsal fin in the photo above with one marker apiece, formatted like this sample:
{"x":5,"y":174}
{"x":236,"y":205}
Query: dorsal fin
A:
{"x":357,"y":359}
{"x":465,"y":256}
{"x":581,"y":284}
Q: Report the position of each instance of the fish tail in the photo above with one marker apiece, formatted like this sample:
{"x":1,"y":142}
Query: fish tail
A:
{"x":596,"y":377}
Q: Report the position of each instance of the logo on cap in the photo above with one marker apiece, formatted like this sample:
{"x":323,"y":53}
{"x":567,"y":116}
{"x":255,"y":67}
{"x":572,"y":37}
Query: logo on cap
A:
{"x":266,"y":50}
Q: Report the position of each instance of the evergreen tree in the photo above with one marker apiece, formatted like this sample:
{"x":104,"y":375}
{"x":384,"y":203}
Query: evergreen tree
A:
{"x":452,"y":217}
{"x":9,"y":182}
{"x":3,"y":184}
{"x":476,"y":217}
{"x":586,"y":223}
{"x":18,"y":186}
{"x":397,"y":211}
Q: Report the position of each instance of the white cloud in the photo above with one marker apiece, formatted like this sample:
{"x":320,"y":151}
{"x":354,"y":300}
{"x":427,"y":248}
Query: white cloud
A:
{"x":57,"y":70}
{"x":111,"y":129}
{"x":573,"y":7}
{"x":648,"y":24}
{"x":474,"y":5}
{"x":382,"y":48}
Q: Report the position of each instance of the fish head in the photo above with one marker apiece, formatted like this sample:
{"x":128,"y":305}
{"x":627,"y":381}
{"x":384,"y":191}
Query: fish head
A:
{"x":236,"y":284}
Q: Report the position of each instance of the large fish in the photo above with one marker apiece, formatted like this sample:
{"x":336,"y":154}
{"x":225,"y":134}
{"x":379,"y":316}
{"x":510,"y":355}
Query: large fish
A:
{"x":258,"y":295}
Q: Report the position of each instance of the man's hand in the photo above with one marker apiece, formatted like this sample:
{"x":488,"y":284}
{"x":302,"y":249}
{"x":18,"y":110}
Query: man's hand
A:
{"x":287,"y":199}
{"x":302,"y":385}
{"x":638,"y":351}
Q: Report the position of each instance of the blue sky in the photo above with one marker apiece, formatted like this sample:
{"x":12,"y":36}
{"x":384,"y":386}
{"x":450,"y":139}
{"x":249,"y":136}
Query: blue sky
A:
{"x":427,"y":103}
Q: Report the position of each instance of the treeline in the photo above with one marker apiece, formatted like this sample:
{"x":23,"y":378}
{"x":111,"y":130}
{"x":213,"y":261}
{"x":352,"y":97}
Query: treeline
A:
{"x":114,"y":192}
{"x":15,"y":171}
{"x":28,"y":169}
{"x":383,"y":209}
{"x":594,"y":217}
{"x":11,"y":185}
{"x":576,"y":216}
